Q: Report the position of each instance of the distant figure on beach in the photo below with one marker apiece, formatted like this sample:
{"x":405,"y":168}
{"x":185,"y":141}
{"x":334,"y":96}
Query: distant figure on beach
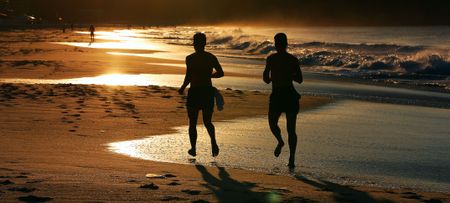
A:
{"x":72,"y":27}
{"x":199,"y":71}
{"x":282,"y":69}
{"x":92,"y":30}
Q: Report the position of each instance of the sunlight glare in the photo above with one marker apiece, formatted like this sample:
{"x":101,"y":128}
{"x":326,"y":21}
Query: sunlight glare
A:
{"x":117,"y":39}
{"x":115,"y":79}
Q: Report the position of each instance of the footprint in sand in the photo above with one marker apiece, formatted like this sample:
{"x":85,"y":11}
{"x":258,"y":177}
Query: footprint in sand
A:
{"x":32,"y":198}
{"x":5,"y":176}
{"x":300,"y":199}
{"x":22,"y":189}
{"x":169,"y":175}
{"x":433,"y":201}
{"x":200,"y":201}
{"x":62,"y":106}
{"x":172,"y":198}
{"x":173,"y":184}
{"x":6,"y":182}
{"x":411,"y":195}
{"x":29,"y":96}
{"x":21,"y":176}
{"x":191,"y":192}
{"x":151,"y":186}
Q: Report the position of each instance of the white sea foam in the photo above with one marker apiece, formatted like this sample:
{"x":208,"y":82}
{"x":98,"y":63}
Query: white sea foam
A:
{"x":357,"y":146}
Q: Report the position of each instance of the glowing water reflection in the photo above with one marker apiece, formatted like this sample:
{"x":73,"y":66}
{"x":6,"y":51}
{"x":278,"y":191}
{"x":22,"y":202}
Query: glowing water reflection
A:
{"x":126,"y":45}
{"x":118,"y":39}
{"x":310,"y":87}
{"x":357,"y":146}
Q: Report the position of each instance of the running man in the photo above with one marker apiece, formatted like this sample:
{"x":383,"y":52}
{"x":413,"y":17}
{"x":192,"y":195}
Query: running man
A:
{"x":92,"y":30}
{"x":281,"y":69}
{"x":199,"y":71}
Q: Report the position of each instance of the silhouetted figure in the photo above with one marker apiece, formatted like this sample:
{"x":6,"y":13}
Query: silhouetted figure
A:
{"x":199,"y":71}
{"x":281,"y":69}
{"x":64,"y":28}
{"x":71,"y":27}
{"x":92,"y":30}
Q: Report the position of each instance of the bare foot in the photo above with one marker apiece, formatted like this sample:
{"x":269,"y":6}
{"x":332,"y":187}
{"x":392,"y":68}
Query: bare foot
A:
{"x":277,"y":151}
{"x":192,"y":152}
{"x":291,"y":163}
{"x":215,"y":150}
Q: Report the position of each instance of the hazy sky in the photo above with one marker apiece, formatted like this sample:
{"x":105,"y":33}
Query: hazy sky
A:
{"x":309,"y":12}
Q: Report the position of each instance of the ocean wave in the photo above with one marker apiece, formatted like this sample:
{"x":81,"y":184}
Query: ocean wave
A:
{"x":357,"y":58}
{"x":425,"y":64}
{"x":251,"y":44}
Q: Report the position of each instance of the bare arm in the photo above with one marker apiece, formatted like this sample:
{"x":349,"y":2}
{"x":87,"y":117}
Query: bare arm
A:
{"x":298,"y":76}
{"x":187,"y":78}
{"x":266,"y":74}
{"x":219,"y":71}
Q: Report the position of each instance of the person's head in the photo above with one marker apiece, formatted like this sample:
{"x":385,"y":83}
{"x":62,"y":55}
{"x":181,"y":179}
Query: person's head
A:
{"x":199,"y":41}
{"x":281,"y":42}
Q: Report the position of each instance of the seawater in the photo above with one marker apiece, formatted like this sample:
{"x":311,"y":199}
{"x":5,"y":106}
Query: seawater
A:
{"x":311,"y":86}
{"x":348,"y":142}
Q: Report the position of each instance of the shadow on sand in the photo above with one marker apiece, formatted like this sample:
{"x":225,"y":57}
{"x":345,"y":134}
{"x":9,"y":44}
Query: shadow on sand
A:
{"x":226,"y":189}
{"x":342,"y":193}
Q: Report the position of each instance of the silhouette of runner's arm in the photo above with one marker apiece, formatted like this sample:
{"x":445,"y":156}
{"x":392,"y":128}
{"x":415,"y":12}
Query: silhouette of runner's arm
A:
{"x":266,"y":74}
{"x":187,"y":78}
{"x":298,"y":76}
{"x":219,"y":72}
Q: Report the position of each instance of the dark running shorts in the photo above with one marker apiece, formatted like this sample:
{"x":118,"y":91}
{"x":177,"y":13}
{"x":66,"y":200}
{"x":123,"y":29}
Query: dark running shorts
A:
{"x":285,"y":99}
{"x":200,"y":98}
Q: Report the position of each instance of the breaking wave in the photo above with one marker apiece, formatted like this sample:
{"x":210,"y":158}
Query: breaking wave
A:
{"x":397,"y":59}
{"x":356,"y":60}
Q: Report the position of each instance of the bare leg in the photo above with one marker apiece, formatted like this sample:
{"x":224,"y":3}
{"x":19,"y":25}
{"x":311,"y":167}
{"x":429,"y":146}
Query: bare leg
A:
{"x":207,"y":117}
{"x":193,"y":116}
{"x":273,"y":123}
{"x":291,"y":127}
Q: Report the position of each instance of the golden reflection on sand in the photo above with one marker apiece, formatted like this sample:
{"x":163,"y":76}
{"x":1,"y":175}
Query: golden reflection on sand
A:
{"x":114,"y":79}
{"x":128,"y":45}
{"x":117,"y":39}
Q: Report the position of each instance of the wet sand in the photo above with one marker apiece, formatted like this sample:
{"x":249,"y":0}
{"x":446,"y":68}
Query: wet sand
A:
{"x":53,"y":138}
{"x":359,"y":146}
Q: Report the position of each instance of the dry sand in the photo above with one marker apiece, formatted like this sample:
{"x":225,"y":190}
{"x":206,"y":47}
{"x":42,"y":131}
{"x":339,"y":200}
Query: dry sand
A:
{"x":52,"y":138}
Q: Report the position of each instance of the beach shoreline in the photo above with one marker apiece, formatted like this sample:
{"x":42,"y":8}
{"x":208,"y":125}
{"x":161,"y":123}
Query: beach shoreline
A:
{"x":53,"y":136}
{"x":54,"y":145}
